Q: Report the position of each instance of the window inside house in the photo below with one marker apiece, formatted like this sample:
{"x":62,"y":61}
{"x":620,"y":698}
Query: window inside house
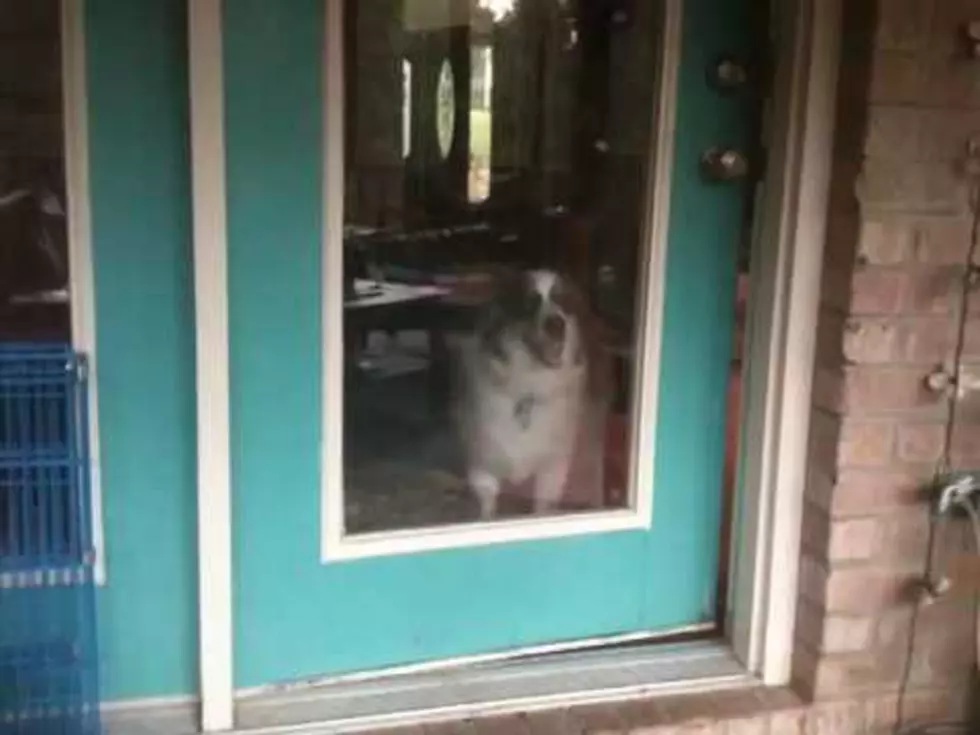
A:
{"x":33,"y":241}
{"x":37,"y":385}
{"x":481,"y":122}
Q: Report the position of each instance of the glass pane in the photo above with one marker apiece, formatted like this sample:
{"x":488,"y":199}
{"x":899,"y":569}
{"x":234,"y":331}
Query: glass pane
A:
{"x":406,"y":108}
{"x":481,"y":122}
{"x":446,"y":108}
{"x":496,"y":153}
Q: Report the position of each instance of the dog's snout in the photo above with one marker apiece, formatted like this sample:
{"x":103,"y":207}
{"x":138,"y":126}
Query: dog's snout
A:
{"x":554,"y":326}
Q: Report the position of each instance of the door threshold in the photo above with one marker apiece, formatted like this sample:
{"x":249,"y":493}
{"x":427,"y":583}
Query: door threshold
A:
{"x":680,"y":634}
{"x":546,"y":681}
{"x":584,"y":677}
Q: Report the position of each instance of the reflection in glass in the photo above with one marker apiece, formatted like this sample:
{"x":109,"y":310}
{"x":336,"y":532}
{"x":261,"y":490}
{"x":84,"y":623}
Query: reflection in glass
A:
{"x":481,"y":122}
{"x":495,"y":159}
{"x":406,"y":108}
{"x":446,"y":108}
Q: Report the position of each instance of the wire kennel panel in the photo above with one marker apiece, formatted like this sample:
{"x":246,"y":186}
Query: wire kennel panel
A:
{"x":44,"y":488}
{"x":48,"y":646}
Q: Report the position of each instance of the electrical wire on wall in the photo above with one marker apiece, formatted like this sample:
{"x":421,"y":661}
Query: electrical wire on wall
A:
{"x":951,"y":492}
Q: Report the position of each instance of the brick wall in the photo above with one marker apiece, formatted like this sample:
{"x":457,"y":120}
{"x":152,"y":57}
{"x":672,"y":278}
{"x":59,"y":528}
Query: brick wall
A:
{"x":899,"y":232}
{"x":899,"y":229}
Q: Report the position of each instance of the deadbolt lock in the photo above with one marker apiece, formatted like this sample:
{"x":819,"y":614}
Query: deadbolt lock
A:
{"x":724,"y":164}
{"x":728,"y":74}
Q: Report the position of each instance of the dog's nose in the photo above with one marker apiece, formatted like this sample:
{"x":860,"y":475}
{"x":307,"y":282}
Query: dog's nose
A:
{"x":554,"y":326}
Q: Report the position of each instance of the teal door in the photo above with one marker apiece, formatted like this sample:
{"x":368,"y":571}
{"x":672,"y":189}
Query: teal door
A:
{"x":372,"y":527}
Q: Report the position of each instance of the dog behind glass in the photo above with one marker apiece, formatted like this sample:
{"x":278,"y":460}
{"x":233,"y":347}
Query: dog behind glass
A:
{"x":533,"y":395}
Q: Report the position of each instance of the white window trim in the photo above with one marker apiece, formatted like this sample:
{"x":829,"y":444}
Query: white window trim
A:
{"x":335,"y":544}
{"x":81,"y":276}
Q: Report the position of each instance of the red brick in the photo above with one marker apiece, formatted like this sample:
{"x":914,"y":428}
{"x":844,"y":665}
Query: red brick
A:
{"x":644,"y":717}
{"x":897,"y":78}
{"x":830,"y":331}
{"x":835,"y":292}
{"x":813,"y":579}
{"x":943,"y":241}
{"x":506,"y":725}
{"x":932,"y":291}
{"x":925,"y":188}
{"x":971,"y":349}
{"x":944,"y":648}
{"x":861,"y":492}
{"x":866,"y":444}
{"x":903,"y":25}
{"x":948,"y":22}
{"x":885,"y":241}
{"x":846,"y":634}
{"x":841,"y":675}
{"x":824,"y":439}
{"x":950,"y":82}
{"x":938,"y":705}
{"x":894,"y":132}
{"x":916,"y":340}
{"x":828,"y":386}
{"x":853,"y":539}
{"x":900,"y":539}
{"x":874,"y":389}
{"x":877,"y":291}
{"x":548,"y":722}
{"x":871,"y":340}
{"x":454,"y":727}
{"x":815,"y":534}
{"x":843,"y":234}
{"x":819,"y":490}
{"x":835,"y":718}
{"x":920,"y":442}
{"x":966,"y":445}
{"x":602,"y":719}
{"x":809,"y":625}
{"x":861,"y":589}
{"x":927,"y":341}
{"x":881,"y":714}
{"x":790,"y":722}
{"x":832,"y":633}
{"x":944,"y":134}
{"x":748,"y":725}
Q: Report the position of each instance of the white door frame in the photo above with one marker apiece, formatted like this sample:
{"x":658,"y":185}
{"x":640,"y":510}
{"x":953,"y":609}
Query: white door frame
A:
{"x":782,"y":320}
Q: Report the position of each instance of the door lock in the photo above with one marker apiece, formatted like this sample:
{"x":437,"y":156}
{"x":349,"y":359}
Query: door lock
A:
{"x":728,"y":74}
{"x":723,"y":164}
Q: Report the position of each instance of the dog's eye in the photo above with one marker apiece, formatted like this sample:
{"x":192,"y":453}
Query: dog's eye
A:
{"x":533,"y":301}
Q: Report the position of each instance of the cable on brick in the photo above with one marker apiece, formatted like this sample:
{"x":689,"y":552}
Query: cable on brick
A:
{"x":951,"y":385}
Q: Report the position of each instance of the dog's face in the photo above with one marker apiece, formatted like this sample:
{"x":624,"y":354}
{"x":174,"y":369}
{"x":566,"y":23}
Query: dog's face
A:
{"x":540,"y":308}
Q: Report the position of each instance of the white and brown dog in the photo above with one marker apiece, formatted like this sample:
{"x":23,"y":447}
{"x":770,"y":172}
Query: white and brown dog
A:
{"x":532,"y":402}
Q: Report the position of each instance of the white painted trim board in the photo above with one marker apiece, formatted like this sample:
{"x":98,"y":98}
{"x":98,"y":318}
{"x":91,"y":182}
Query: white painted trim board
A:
{"x":211,"y":329}
{"x":80,"y":259}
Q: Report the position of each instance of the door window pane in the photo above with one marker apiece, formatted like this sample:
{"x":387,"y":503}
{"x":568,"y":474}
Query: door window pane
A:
{"x":494,"y":198}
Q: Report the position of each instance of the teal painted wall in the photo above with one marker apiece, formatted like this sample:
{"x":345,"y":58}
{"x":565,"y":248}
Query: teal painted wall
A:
{"x":141,"y":239}
{"x":272,"y":53}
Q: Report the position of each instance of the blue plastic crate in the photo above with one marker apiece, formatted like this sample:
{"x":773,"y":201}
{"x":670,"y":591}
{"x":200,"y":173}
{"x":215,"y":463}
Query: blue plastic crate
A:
{"x":48,"y":646}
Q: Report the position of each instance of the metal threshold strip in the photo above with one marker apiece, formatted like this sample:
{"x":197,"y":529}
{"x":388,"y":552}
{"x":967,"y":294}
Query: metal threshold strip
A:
{"x":599,"y":670}
{"x":534,"y":682}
